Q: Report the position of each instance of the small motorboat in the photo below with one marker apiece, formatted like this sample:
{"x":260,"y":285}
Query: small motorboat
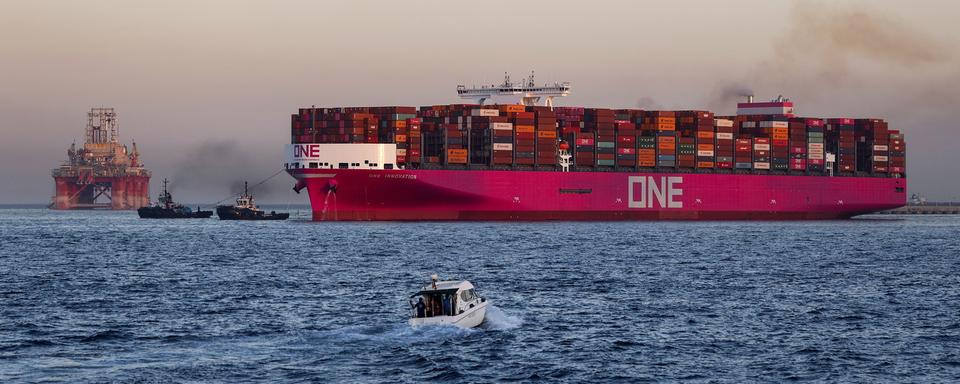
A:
{"x":448,"y":302}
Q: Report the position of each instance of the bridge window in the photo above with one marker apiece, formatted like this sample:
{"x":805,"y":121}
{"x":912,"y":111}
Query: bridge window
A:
{"x":344,"y":166}
{"x":388,"y":166}
{"x":313,"y":165}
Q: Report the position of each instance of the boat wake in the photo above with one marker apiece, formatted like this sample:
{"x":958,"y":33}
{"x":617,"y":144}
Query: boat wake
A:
{"x":498,"y":320}
{"x":395,"y":335}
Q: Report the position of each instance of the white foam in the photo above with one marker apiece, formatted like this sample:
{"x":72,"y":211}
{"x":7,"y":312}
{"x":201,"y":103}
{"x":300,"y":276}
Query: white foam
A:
{"x":498,"y":320}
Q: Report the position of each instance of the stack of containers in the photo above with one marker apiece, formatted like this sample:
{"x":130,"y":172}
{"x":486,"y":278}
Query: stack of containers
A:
{"x":584,"y":146}
{"x":413,"y":141}
{"x":432,"y":120}
{"x":545,"y":121}
{"x":455,"y":143}
{"x":432,"y":141}
{"x":898,"y":153}
{"x":724,"y":143}
{"x":872,"y":145}
{"x":779,"y":144}
{"x":601,"y":121}
{"x":524,"y":135}
{"x":393,"y":127}
{"x":797,"y":143}
{"x":761,"y":153}
{"x":626,"y":143}
{"x":686,"y":152}
{"x":815,"y":145}
{"x":880,"y":161}
{"x":502,"y":145}
{"x":484,"y":125}
{"x":743,"y":154}
{"x":844,"y":143}
{"x":647,"y":151}
{"x":705,"y":137}
{"x":570,"y":123}
{"x":664,"y":125}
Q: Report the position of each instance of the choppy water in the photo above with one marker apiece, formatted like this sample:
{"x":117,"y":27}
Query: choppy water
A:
{"x":107,"y":297}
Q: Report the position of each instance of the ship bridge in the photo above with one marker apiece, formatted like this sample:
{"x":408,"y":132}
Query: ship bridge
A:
{"x":528,"y":92}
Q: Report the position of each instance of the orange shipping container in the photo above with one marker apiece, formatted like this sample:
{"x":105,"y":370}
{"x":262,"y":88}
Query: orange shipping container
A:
{"x":547,"y":134}
{"x":704,"y":147}
{"x":457,"y":159}
{"x":705,"y":135}
{"x":457,"y":152}
{"x":400,"y":138}
{"x":513,"y":108}
{"x":524,"y":128}
{"x":704,"y":164}
{"x":666,"y":120}
{"x":666,"y":127}
{"x":667,"y":139}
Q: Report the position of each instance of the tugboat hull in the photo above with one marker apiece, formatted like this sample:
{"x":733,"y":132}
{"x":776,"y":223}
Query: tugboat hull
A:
{"x":226,"y":212}
{"x":162,"y":213}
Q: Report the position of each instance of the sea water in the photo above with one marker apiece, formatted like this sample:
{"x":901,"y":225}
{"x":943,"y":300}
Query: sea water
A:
{"x":108,"y":297}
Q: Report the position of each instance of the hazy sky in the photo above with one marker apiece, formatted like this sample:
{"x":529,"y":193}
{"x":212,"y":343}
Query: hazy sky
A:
{"x":206,"y":87}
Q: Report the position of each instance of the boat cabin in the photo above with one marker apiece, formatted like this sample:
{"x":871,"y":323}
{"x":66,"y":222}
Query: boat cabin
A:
{"x":445,"y":298}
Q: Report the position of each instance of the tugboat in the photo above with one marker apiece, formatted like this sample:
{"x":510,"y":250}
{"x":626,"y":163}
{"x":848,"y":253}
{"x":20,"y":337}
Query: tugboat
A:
{"x":166,"y":208}
{"x":448,"y":303}
{"x":246,"y":209}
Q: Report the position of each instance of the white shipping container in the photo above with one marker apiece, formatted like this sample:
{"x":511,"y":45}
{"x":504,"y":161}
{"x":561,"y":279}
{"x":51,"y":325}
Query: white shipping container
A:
{"x":401,"y":152}
{"x":815,"y":146}
{"x":502,"y":147}
{"x":749,"y":124}
{"x":502,"y":126}
{"x":705,"y":153}
{"x":774,"y":124}
{"x":722,"y":123}
{"x":725,"y":135}
{"x":761,"y":147}
{"x":879,"y":147}
{"x":880,"y":159}
{"x":485,"y":112}
{"x":761,"y":165}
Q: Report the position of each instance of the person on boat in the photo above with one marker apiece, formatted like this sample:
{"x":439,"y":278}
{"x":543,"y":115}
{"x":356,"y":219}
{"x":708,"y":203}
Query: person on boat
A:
{"x":436,"y":307}
{"x":421,"y":308}
{"x":447,"y":307}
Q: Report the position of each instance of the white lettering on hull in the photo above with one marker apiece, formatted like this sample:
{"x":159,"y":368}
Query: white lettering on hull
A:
{"x":647,"y":192}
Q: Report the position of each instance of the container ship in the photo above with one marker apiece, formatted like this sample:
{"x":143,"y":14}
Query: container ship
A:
{"x":542,"y":162}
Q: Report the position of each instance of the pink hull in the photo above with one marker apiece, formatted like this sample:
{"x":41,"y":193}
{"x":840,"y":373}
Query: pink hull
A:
{"x":533,"y":195}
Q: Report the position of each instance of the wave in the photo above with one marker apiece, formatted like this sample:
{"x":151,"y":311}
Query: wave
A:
{"x":498,"y":320}
{"x":396,"y":334}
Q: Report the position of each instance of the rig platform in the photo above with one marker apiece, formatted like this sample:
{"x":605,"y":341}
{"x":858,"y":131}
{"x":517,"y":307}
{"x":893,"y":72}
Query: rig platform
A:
{"x":103,"y":174}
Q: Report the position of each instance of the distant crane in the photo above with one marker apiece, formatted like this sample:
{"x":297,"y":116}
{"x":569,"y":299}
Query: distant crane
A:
{"x":528,"y":91}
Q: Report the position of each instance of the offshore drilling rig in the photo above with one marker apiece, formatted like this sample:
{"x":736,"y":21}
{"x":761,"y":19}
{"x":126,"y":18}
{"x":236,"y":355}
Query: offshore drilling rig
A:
{"x":103,"y":174}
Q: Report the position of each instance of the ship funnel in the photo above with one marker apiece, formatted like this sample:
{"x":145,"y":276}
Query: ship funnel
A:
{"x":749,"y":98}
